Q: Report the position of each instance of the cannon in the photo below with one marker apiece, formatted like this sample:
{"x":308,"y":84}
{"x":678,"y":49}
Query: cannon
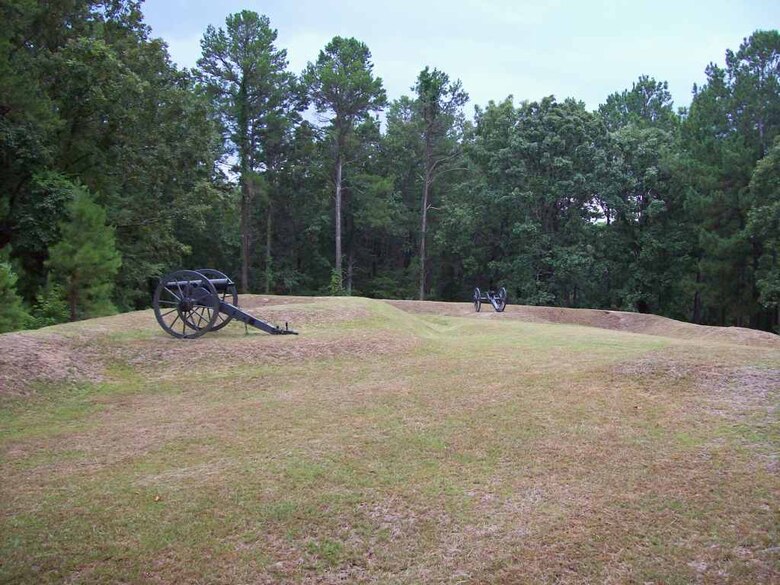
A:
{"x":189,"y":303}
{"x":496,"y":298}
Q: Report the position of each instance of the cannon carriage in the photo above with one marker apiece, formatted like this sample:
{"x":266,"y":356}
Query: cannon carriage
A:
{"x":190,"y":303}
{"x":496,"y":298}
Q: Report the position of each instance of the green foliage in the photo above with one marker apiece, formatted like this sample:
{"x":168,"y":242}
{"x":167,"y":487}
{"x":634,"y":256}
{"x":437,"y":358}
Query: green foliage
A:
{"x":336,"y":286}
{"x":733,"y":121}
{"x":763,"y":226}
{"x":37,"y":218}
{"x":85,"y":261}
{"x":50,"y":308}
{"x":529,"y":211}
{"x":438,"y":104}
{"x":245,"y":76}
{"x":648,"y":103}
{"x":341,"y":82}
{"x":438,"y":107}
{"x":12,"y":313}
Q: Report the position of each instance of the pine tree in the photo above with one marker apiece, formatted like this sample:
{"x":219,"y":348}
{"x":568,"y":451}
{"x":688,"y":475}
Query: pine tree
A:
{"x":438,"y":105}
{"x":256,"y":100}
{"x":342,"y":84}
{"x":85,"y":261}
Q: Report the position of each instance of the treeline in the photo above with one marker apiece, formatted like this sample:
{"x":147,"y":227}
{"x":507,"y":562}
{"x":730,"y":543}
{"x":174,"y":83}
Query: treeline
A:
{"x":116,"y":166}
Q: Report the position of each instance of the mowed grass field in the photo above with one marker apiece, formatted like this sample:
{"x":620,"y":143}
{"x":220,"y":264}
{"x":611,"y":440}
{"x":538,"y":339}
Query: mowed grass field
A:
{"x":391,"y":443}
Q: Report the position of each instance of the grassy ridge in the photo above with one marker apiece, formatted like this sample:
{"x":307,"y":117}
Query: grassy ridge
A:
{"x":390,"y":447}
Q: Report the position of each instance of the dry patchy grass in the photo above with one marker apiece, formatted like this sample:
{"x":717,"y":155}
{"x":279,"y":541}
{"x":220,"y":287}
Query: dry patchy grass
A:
{"x":389,"y":447}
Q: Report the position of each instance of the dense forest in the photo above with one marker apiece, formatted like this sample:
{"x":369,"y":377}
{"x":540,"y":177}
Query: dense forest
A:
{"x":116,"y":166}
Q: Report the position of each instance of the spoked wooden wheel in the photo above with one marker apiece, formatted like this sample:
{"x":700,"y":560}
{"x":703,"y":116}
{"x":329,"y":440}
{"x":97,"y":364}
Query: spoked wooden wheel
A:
{"x":501,"y":300}
{"x":477,"y":300}
{"x":186,"y":304}
{"x":228,"y":293}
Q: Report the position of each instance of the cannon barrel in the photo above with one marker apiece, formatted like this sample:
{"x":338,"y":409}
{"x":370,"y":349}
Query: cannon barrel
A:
{"x":220,"y":284}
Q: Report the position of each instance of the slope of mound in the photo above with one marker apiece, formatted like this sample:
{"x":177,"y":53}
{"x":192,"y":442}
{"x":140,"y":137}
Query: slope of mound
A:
{"x":613,"y":320}
{"x":77,"y":353}
{"x":30,"y":358}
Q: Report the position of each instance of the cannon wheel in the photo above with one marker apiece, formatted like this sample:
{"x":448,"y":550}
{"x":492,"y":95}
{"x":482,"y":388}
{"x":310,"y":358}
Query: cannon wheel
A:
{"x":477,"y":300}
{"x":183,"y":298}
{"x":230,"y":294}
{"x":501,"y":300}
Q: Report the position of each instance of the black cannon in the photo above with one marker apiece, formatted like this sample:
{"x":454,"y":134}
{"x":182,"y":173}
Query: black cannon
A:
{"x":189,"y":303}
{"x":496,"y":298}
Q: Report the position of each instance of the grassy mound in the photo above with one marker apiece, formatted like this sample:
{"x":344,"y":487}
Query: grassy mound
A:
{"x":390,"y":442}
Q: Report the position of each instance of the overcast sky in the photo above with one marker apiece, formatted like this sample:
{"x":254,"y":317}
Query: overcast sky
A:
{"x":583,"y":49}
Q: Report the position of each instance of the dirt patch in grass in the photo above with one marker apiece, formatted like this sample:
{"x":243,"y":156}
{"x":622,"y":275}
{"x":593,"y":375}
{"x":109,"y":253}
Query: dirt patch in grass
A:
{"x":613,"y":320}
{"x":30,"y":359}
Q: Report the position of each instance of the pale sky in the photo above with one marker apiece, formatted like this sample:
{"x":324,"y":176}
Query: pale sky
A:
{"x":586,"y":50}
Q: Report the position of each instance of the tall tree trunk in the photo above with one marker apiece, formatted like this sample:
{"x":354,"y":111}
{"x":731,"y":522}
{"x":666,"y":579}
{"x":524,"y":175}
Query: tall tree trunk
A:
{"x":246,"y":187}
{"x":268,"y":224}
{"x":423,"y":230}
{"x":73,"y":304}
{"x":338,"y":213}
{"x":246,"y":206}
{"x":424,"y":216}
{"x":350,"y":266}
{"x":696,"y":313}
